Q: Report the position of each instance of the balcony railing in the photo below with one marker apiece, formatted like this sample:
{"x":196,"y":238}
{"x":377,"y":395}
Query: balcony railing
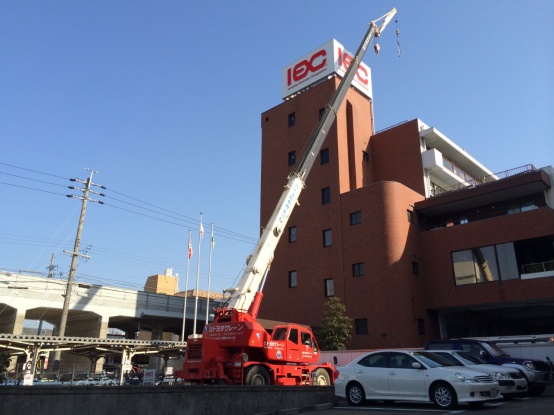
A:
{"x":538,"y":267}
{"x":437,"y":190}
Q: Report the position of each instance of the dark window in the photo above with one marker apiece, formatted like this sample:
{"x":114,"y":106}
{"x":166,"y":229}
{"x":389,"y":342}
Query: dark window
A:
{"x":374,"y":360}
{"x":293,"y":336}
{"x":421,"y":326}
{"x":415,"y":268}
{"x":327,"y":237}
{"x":292,"y":119}
{"x":329,"y":287}
{"x":325,"y":195}
{"x":365,"y":157}
{"x":292,"y":158}
{"x":321,"y":112}
{"x":410,"y":216}
{"x":293,"y":279}
{"x":306,"y":338}
{"x":361,"y":326}
{"x":292,"y":234}
{"x":358,"y":269}
{"x":324,"y":156}
{"x":356,"y":218}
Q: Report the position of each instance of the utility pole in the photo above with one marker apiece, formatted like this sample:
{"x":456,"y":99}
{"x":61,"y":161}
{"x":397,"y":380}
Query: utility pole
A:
{"x":75,"y":254}
{"x":51,"y":267}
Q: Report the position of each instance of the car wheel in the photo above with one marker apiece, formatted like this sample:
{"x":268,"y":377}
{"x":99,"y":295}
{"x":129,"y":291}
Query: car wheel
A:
{"x":355,"y":394}
{"x":444,"y":396}
{"x":536,"y":390}
{"x":256,"y":376}
{"x":322,"y":377}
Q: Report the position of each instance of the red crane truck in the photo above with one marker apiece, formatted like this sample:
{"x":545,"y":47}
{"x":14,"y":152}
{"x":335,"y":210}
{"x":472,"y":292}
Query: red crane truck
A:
{"x":235,"y":348}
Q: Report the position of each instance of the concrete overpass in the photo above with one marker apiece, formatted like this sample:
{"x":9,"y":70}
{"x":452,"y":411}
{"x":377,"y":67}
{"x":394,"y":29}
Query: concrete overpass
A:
{"x":95,"y":308}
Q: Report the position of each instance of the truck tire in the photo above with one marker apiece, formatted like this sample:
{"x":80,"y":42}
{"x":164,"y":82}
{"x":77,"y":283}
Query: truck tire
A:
{"x":322,"y":377}
{"x":256,"y":376}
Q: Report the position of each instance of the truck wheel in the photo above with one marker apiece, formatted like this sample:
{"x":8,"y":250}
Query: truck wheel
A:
{"x":256,"y":376}
{"x":444,"y":396}
{"x":322,"y":377}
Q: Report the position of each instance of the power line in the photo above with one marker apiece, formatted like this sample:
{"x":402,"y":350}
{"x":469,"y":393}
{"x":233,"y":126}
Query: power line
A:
{"x":191,"y":222}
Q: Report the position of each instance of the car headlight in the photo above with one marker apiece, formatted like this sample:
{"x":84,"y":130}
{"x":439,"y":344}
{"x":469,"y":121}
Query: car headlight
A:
{"x":528,"y":364}
{"x":462,"y":377}
{"x":501,"y":375}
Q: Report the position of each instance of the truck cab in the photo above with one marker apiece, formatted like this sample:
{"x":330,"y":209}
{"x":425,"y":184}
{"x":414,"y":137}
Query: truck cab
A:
{"x":292,"y":343}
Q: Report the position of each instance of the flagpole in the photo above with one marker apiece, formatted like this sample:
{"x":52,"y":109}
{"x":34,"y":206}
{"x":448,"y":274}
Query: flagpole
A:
{"x":201,"y":233}
{"x":212,"y":243}
{"x":189,"y":255}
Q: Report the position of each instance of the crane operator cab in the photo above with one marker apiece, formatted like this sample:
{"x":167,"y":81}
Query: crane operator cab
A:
{"x":292,"y":343}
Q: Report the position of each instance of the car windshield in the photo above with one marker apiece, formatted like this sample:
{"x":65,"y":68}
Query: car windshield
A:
{"x":431,"y":359}
{"x":469,"y":359}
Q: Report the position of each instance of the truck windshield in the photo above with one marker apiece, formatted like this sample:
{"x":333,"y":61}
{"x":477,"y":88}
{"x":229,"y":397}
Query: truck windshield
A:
{"x":280,"y":334}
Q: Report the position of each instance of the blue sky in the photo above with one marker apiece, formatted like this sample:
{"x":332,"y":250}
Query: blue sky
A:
{"x":164,"y":100}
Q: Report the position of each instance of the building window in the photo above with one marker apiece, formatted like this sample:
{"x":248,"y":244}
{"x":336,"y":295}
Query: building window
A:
{"x":421,"y":326}
{"x":523,"y":259}
{"x":327,"y":237}
{"x":475,"y":265}
{"x":293,"y":279}
{"x":292,"y":158}
{"x":365,"y":156}
{"x":360,"y":325}
{"x":321,"y":112}
{"x":415,"y":268}
{"x":325,"y":195}
{"x":356,"y":218}
{"x":329,"y":286}
{"x":292,"y":119}
{"x":292,"y":234}
{"x":410,"y":216}
{"x":358,"y":269}
{"x":324,"y":156}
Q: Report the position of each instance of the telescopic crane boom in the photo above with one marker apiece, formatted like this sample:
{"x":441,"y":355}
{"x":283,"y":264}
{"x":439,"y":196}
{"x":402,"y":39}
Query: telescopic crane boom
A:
{"x":242,"y":296}
{"x":235,"y":348}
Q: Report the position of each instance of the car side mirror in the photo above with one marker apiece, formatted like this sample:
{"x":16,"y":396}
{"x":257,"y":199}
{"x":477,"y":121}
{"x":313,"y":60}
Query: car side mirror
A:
{"x":416,"y":365}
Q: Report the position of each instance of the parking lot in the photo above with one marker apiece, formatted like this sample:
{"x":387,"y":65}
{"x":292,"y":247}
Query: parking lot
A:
{"x":543,"y":405}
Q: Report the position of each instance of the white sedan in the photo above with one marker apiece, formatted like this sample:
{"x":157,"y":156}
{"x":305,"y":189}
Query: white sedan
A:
{"x":511,"y":381}
{"x":407,"y":375}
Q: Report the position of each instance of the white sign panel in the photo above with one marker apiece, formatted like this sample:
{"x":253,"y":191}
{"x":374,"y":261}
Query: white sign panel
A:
{"x":149,"y":377}
{"x":329,"y":58}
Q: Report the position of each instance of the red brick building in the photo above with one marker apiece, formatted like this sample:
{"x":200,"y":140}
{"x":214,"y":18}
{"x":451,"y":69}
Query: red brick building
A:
{"x":415,"y":236}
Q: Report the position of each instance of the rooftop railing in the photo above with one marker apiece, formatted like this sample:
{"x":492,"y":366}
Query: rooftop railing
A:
{"x":437,"y":190}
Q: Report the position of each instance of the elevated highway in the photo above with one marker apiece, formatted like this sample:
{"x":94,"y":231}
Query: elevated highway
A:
{"x":93,"y":310}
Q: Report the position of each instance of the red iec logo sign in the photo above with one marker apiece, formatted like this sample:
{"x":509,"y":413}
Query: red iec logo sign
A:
{"x":303,"y":68}
{"x":344,"y":62}
{"x":317,"y":61}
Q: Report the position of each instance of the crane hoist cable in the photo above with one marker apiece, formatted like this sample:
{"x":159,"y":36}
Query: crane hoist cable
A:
{"x":397,"y":37}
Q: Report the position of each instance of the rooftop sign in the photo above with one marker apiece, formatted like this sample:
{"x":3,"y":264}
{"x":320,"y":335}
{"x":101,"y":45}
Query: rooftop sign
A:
{"x":329,"y":58}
